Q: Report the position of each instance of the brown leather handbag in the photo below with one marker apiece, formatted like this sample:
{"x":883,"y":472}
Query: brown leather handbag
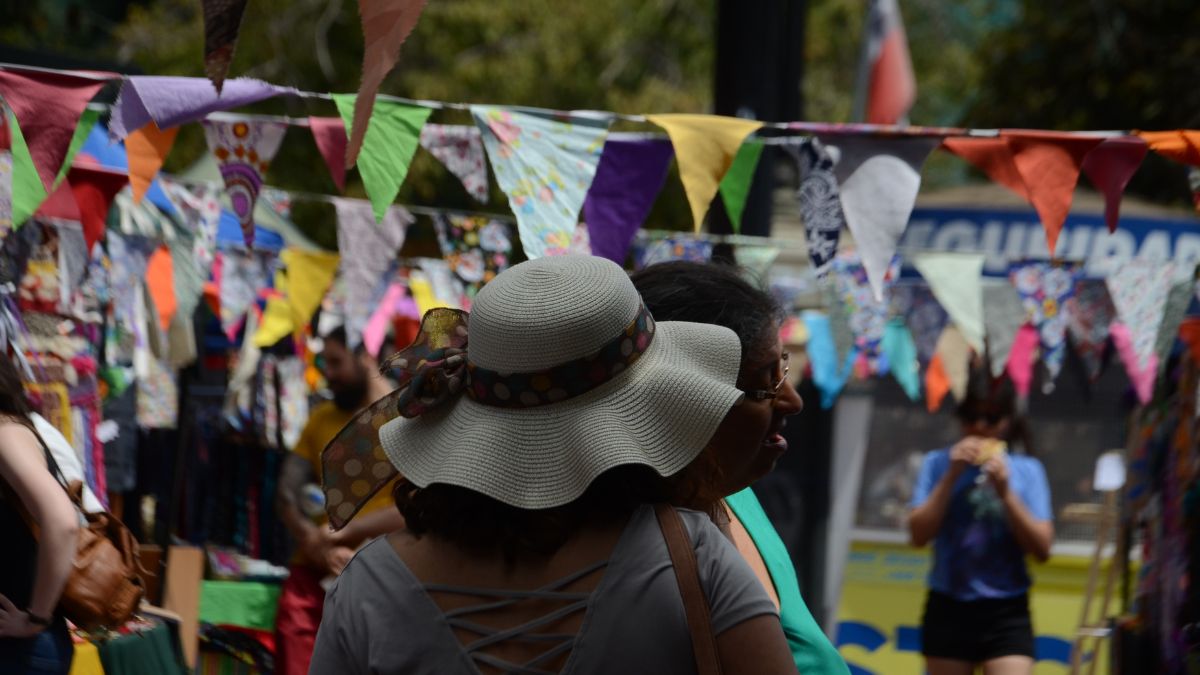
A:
{"x":695,"y":604}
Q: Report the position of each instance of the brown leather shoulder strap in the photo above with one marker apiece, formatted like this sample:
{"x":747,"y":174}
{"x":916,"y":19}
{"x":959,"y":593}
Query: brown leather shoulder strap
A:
{"x":695,"y":604}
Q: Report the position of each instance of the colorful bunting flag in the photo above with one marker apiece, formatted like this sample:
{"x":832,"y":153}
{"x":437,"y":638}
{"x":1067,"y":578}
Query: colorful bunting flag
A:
{"x":545,"y":165}
{"x":391,"y":141}
{"x":6,"y":193}
{"x":1181,"y":145}
{"x":94,"y":188}
{"x":72,"y":262}
{"x":705,"y":146}
{"x":669,"y":249}
{"x":955,"y":355}
{"x":879,"y":179}
{"x":330,"y":136}
{"x":147,"y":149}
{"x":386,"y":25}
{"x":937,"y":385}
{"x":242,"y":274}
{"x":866,"y":316}
{"x":222,"y":21}
{"x":47,"y":106}
{"x":244,"y":149}
{"x":756,"y":261}
{"x":630,"y":175}
{"x":820,"y":202}
{"x":1139,"y":290}
{"x":477,"y":248}
{"x":1044,"y":288}
{"x":1109,"y":166}
{"x":924,"y":315}
{"x":735,"y":186}
{"x":367,"y":250}
{"x":87,"y":121}
{"x":1022,"y":358}
{"x":1142,"y":375}
{"x":955,"y":281}
{"x":191,"y":257}
{"x":460,"y":150}
{"x":160,"y":283}
{"x":172,"y":101}
{"x":300,"y":285}
{"x":900,"y":351}
{"x":1178,"y":299}
{"x":1003,"y":316}
{"x":1090,"y":314}
{"x":829,"y":372}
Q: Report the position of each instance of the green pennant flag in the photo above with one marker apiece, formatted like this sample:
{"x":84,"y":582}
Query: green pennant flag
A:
{"x":28,"y":193}
{"x":391,"y":139}
{"x":82,"y":130}
{"x":735,"y":186}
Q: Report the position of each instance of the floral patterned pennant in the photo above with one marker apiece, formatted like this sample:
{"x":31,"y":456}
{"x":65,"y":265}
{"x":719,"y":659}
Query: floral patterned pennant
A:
{"x":1044,"y":288}
{"x":476,"y":247}
{"x":244,"y":149}
{"x":460,"y":150}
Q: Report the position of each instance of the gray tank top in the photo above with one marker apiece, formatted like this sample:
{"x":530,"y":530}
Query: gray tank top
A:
{"x":380,"y":619}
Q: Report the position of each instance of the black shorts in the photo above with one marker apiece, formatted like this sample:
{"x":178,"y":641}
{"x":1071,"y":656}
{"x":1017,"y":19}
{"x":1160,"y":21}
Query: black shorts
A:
{"x":976,"y":630}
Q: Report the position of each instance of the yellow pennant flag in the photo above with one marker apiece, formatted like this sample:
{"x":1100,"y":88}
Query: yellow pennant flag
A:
{"x":705,"y":146}
{"x":307,"y":276}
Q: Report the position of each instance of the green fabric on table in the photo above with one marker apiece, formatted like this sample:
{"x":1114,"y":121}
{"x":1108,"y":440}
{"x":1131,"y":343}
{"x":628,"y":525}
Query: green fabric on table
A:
{"x":243,"y":604}
{"x":147,"y":652}
{"x":811,"y":650}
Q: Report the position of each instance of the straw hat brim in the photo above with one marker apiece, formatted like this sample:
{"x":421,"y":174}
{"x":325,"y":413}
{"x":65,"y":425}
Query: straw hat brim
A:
{"x":660,"y":412}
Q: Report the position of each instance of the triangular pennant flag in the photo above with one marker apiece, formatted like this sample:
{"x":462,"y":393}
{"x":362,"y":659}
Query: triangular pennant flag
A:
{"x":94,"y":189}
{"x":545,"y":165}
{"x":994,"y":157}
{"x":330,"y":135}
{"x":924,"y":316}
{"x":1045,"y":288}
{"x":1139,"y":290}
{"x":1189,"y":332}
{"x":735,"y":186}
{"x":954,"y":279}
{"x":160,"y":282}
{"x":1141,"y":375}
{"x":756,"y":261}
{"x":190,"y":269}
{"x":955,"y":356}
{"x":937,"y":385}
{"x":879,"y":179}
{"x":147,"y":149}
{"x":367,"y":251}
{"x":829,"y":373}
{"x":172,"y":101}
{"x":1003,"y":316}
{"x":1022,"y":358}
{"x":244,"y":150}
{"x":386,"y":25}
{"x":820,"y":202}
{"x":866,"y":316}
{"x":242,"y":275}
{"x":839,"y":326}
{"x":309,"y":275}
{"x":222,"y":21}
{"x":6,"y":193}
{"x":1109,"y":166}
{"x":1050,"y":163}
{"x":900,"y":351}
{"x":47,"y":106}
{"x":477,"y":248}
{"x":1174,"y":310}
{"x":460,"y":150}
{"x":1091,"y":312}
{"x":705,"y":146}
{"x":82,"y":130}
{"x":72,"y":262}
{"x":28,"y":193}
{"x":1180,"y":145}
{"x":60,"y":204}
{"x":629,"y":178}
{"x":391,"y":141}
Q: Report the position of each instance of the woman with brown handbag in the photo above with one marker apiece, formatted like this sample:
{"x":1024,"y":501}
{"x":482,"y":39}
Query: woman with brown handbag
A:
{"x":33,"y":572}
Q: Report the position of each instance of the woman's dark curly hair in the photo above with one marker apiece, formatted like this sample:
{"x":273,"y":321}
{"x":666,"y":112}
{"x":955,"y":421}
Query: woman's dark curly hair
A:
{"x":13,"y":402}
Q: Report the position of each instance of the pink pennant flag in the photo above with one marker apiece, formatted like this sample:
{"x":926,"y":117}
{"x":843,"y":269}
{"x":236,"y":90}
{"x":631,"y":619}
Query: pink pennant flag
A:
{"x":330,"y":135}
{"x":1022,"y":358}
{"x":1109,"y":166}
{"x":48,"y":106}
{"x":244,"y":149}
{"x":1142,"y":376}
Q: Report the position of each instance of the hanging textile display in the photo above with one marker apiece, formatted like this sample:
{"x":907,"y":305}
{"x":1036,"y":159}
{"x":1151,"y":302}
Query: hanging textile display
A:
{"x":820,"y":203}
{"x":460,"y":150}
{"x":1044,"y":288}
{"x":545,"y":165}
{"x":476,"y":248}
{"x":244,"y":149}
{"x":367,"y":250}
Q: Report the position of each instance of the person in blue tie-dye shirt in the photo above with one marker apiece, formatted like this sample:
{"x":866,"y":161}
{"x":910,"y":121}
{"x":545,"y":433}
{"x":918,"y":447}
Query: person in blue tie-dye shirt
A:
{"x":985,"y":505}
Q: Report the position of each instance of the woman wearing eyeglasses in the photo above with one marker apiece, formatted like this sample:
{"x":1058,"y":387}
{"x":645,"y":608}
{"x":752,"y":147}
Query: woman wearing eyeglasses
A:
{"x":745,"y":452}
{"x":985,"y":508}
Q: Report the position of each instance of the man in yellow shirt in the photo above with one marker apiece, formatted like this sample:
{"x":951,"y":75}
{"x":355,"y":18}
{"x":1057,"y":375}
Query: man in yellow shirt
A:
{"x":353,"y":377}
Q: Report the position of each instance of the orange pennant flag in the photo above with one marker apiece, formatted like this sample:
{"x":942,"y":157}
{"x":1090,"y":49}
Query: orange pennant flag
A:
{"x":147,"y":148}
{"x":937,"y":385}
{"x":994,"y":157}
{"x":160,"y":281}
{"x":1180,"y":145}
{"x":1050,"y":163}
{"x":386,"y":25}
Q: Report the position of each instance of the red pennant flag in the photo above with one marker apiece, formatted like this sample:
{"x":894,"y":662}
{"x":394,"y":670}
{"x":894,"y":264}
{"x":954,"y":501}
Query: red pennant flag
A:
{"x":1050,"y":164}
{"x":47,"y":106}
{"x":1109,"y":166}
{"x":994,"y":157}
{"x":94,"y":189}
{"x":386,"y":25}
{"x":330,"y":135}
{"x":60,"y":204}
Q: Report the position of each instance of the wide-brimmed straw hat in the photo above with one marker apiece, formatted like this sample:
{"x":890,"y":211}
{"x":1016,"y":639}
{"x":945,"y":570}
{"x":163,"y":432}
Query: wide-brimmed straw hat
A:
{"x":558,"y":375}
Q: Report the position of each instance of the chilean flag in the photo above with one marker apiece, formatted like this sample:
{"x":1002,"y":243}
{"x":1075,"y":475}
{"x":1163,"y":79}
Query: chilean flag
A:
{"x":892,"y":85}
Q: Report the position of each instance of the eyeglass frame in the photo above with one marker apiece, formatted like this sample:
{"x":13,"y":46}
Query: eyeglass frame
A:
{"x":773,"y":393}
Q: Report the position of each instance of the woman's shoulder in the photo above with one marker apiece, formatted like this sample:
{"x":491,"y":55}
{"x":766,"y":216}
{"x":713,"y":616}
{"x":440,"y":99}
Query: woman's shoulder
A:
{"x":15,"y":432}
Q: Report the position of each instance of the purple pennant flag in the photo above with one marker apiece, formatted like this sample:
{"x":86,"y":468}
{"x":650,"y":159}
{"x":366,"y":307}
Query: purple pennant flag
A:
{"x":630,"y":175}
{"x":171,"y":101}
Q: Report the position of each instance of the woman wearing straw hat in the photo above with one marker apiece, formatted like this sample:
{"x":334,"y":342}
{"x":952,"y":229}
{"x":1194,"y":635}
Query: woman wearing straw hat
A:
{"x":530,"y":455}
{"x":717,"y":294}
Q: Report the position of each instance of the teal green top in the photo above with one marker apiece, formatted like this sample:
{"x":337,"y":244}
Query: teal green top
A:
{"x":812,"y":651}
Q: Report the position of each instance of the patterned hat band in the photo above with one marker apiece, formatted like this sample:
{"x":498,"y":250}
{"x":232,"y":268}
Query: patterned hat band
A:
{"x":564,"y":381}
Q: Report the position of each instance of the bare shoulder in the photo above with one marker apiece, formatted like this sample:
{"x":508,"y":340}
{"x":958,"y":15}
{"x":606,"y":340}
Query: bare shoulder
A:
{"x":16,"y":437}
